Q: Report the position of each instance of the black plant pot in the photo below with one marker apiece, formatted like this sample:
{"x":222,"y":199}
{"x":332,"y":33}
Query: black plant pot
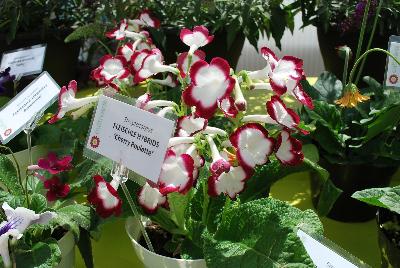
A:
{"x":217,"y":48}
{"x":389,"y":241}
{"x":61,"y":58}
{"x":375,"y":63}
{"x":351,"y":178}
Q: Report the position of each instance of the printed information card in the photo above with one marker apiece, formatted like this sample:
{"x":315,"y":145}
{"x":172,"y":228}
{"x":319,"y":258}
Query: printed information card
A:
{"x":392,"y":76}
{"x":36,"y":97}
{"x":130,"y":136}
{"x":326,"y":254}
{"x":24,"y":61}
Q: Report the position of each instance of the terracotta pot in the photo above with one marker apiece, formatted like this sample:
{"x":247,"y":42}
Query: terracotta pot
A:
{"x":151,"y":259}
{"x":390,"y":252}
{"x":375,"y":63}
{"x":352,"y":178}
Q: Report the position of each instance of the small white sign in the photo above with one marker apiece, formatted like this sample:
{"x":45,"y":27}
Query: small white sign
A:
{"x":130,"y":136}
{"x":36,"y":97}
{"x":24,"y":61}
{"x":323,"y":256}
{"x":392,"y":78}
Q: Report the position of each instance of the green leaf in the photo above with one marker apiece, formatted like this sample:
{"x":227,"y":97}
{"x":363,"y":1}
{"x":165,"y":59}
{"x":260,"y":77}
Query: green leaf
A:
{"x":74,"y":216}
{"x":326,"y":114}
{"x":329,"y":88}
{"x":191,"y":251}
{"x":232,"y":30}
{"x":388,"y":197}
{"x":89,"y":168}
{"x":38,"y":203}
{"x":85,"y":248}
{"x":4,"y":100}
{"x":45,"y":254}
{"x":278,"y":25}
{"x":8,"y":176}
{"x":13,"y":200}
{"x":260,"y":233}
{"x":178,"y":204}
{"x":86,"y":31}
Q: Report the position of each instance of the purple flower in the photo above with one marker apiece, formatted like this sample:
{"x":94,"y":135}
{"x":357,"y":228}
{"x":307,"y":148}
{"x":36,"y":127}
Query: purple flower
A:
{"x":5,"y":77}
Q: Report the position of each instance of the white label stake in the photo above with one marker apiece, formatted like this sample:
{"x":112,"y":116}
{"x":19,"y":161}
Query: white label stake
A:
{"x":135,"y":138}
{"x":392,"y":76}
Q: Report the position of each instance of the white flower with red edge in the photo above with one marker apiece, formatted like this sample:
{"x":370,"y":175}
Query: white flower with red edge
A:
{"x":105,"y":198}
{"x":169,"y":81}
{"x":230,"y":183}
{"x":253,"y":145}
{"x":228,"y":107}
{"x":67,"y":101}
{"x":151,"y":199}
{"x":288,"y":149}
{"x":195,"y":39}
{"x":137,"y":59}
{"x":119,"y":32}
{"x":113,"y":68}
{"x":147,"y":19}
{"x":284,"y":74}
{"x":151,"y":65}
{"x":219,"y":164}
{"x":210,"y":83}
{"x":127,"y":50}
{"x":176,"y":173}
{"x":189,"y":125}
{"x":284,"y":116}
{"x":298,"y":93}
{"x":142,"y":100}
{"x":184,"y":59}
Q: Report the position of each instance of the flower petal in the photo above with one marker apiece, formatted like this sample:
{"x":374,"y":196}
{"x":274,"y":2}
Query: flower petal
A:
{"x":105,"y":198}
{"x":199,"y":36}
{"x":189,"y":125}
{"x":150,"y":198}
{"x":228,"y":107}
{"x":231,"y":183}
{"x":183,"y":61}
{"x":281,"y":114}
{"x":288,"y":149}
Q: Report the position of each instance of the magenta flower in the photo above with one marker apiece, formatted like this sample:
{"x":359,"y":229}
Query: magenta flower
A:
{"x":55,"y":165}
{"x":105,"y":198}
{"x":56,"y":189}
{"x":210,"y":83}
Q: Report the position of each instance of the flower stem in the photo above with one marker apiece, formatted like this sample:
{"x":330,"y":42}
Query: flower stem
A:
{"x":364,"y":55}
{"x":371,"y":37}
{"x":346,"y":66}
{"x":105,"y":46}
{"x":362,"y":32}
{"x":137,"y":216}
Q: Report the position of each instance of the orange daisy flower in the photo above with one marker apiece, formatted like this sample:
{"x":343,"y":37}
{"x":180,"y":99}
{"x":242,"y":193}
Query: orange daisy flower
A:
{"x":351,"y":97}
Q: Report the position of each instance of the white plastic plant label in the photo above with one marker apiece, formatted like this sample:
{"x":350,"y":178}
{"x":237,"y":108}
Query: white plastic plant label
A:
{"x":35,"y":98}
{"x":24,"y":61}
{"x":392,"y":76}
{"x":326,"y":254}
{"x":132,"y":137}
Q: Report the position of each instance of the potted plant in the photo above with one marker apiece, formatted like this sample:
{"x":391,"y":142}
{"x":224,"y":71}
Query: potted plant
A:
{"x":388,"y":219}
{"x":340,"y":22}
{"x":27,"y":23}
{"x":230,"y":22}
{"x":219,"y":167}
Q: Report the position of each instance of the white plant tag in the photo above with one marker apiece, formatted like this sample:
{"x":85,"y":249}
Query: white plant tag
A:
{"x":132,"y":137}
{"x":326,"y":254}
{"x":24,"y":61}
{"x":35,"y":98}
{"x":392,"y":75}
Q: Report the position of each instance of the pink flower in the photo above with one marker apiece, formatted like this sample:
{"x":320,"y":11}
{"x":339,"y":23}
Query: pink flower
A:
{"x":119,"y":32}
{"x":284,"y":74}
{"x":189,"y":125}
{"x":55,"y":165}
{"x":230,"y":183}
{"x":105,"y":198}
{"x":67,"y":101}
{"x":288,"y":149}
{"x":253,"y":145}
{"x":151,"y":65}
{"x":195,"y":39}
{"x":113,"y":68}
{"x":56,"y":189}
{"x":284,"y":116}
{"x":151,"y":199}
{"x":176,"y":173}
{"x":210,"y":83}
{"x":183,"y":61}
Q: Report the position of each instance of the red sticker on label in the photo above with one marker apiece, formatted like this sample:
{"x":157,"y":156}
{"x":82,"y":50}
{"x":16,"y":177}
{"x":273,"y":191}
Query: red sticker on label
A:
{"x":7,"y":132}
{"x":393,"y":79}
{"x":94,"y":142}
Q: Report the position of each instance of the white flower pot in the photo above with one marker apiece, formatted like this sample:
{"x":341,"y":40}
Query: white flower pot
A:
{"x":67,"y":247}
{"x":153,"y":260}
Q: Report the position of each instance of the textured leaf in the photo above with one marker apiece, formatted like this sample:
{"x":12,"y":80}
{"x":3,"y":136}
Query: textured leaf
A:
{"x":178,"y":204}
{"x":260,"y":233}
{"x":74,"y":216}
{"x":388,"y":197}
{"x":89,"y":168}
{"x":326,"y":114}
{"x":86,"y":31}
{"x":38,"y":203}
{"x":42,"y":255}
{"x":329,"y":88}
{"x":13,"y":200}
{"x":8,"y":175}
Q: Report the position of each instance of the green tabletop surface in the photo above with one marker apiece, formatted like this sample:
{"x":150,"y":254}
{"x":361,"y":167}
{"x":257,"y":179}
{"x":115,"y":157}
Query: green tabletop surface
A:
{"x":114,"y":248}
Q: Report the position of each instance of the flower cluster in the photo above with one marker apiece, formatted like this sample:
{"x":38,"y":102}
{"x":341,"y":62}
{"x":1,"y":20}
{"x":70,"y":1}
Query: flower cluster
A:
{"x":56,"y":188}
{"x":209,"y":89}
